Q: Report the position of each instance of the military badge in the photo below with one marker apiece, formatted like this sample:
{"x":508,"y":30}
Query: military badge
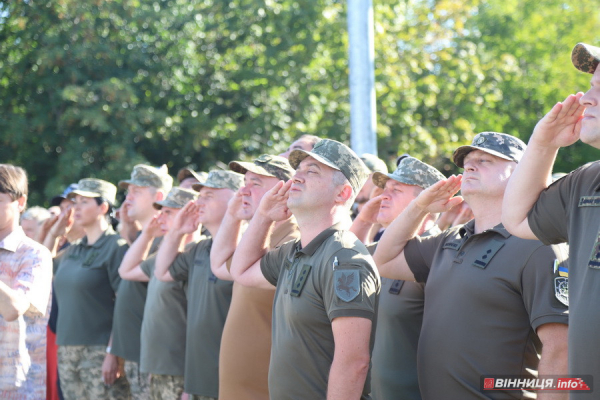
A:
{"x":347,"y":284}
{"x":561,"y":289}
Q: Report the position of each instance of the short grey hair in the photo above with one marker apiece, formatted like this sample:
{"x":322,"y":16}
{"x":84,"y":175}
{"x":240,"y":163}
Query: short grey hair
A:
{"x":338,"y":180}
{"x":37,"y":214}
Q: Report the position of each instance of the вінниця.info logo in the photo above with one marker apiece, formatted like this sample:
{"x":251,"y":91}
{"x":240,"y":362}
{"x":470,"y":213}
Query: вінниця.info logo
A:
{"x":548,"y":382}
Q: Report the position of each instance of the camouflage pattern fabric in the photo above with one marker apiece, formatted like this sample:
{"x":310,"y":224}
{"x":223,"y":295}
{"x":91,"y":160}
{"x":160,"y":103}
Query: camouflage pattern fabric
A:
{"x":80,"y":372}
{"x":585,"y":57}
{"x":91,"y":187}
{"x":266,"y":165}
{"x":498,"y":144}
{"x":139,"y":382}
{"x":411,"y":172}
{"x":374,"y":163}
{"x":146,"y":175}
{"x":166,"y":387}
{"x":218,"y":179}
{"x":177,"y":198}
{"x":337,"y":156}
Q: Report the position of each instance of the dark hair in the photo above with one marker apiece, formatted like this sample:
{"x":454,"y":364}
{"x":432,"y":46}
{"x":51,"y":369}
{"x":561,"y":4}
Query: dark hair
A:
{"x":100,"y":200}
{"x":13,"y":181}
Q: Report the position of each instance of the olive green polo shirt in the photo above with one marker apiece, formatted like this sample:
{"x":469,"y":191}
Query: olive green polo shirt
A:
{"x":333,"y":276}
{"x":128,"y":316}
{"x":164,"y":325}
{"x":569,"y":211}
{"x":485,"y":296}
{"x":208,"y":304}
{"x":85,"y":283}
{"x":399,"y":320}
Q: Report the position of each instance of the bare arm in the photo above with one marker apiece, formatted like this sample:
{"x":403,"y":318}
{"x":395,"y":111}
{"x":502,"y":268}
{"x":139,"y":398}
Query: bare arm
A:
{"x":389,"y":255}
{"x":186,"y":222}
{"x":226,"y":239}
{"x":245,"y":266}
{"x":553,"y":360}
{"x":351,"y":358}
{"x":60,"y":227}
{"x":138,"y":251}
{"x":366,"y":218}
{"x":559,"y":128}
{"x":13,"y":304}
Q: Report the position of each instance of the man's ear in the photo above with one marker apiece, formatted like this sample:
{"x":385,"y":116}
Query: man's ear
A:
{"x":22,"y":202}
{"x":160,"y":196}
{"x":344,"y":194}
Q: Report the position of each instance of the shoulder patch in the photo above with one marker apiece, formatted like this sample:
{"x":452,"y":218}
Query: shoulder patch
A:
{"x":347,"y":284}
{"x":589,"y":201}
{"x":561,"y":282}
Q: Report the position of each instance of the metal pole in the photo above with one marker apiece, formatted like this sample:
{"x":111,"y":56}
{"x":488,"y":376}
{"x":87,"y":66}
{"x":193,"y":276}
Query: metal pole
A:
{"x":363,"y":123}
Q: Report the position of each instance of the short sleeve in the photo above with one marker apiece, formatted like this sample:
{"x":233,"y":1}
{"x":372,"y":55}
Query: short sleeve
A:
{"x":272,"y":262}
{"x":419,"y":253}
{"x":538,"y":287}
{"x":180,"y":268}
{"x":147,"y":266}
{"x":548,"y":217}
{"x":352,"y":288}
{"x":114,"y":262}
{"x":34,"y":280}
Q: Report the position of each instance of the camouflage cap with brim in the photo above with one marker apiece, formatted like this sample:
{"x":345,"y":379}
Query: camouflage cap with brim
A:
{"x":91,"y":187}
{"x":410,"y":171}
{"x":337,"y":156}
{"x":497,"y":144}
{"x":187,"y":172}
{"x":374,"y":163}
{"x":177,"y":198}
{"x":149,"y":176}
{"x":218,"y":179}
{"x":585,"y":57}
{"x":266,"y":165}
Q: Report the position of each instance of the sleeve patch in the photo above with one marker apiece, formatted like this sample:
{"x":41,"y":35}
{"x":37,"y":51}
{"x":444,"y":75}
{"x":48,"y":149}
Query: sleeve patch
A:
{"x":347,"y":284}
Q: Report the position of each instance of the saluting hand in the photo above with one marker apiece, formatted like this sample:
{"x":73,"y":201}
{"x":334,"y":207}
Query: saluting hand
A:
{"x":370,"y":210}
{"x":562,"y":125}
{"x":234,"y":205}
{"x":153,"y":229}
{"x":273,"y":205}
{"x":187,"y":220}
{"x":63,"y":223}
{"x":439,"y":197}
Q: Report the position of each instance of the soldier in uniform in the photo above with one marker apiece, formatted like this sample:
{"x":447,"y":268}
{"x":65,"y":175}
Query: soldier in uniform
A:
{"x":246,"y":342}
{"x":490,"y":303}
{"x":146,"y":186}
{"x":400,"y":315}
{"x":568,"y":209}
{"x":163,"y":327}
{"x":369,"y":189}
{"x":187,"y":177}
{"x":208,"y":296}
{"x":86,"y":280}
{"x":327,"y":286}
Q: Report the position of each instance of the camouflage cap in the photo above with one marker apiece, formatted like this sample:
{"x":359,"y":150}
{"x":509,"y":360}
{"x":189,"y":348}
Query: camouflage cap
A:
{"x":219,"y":179}
{"x":91,"y":187}
{"x":188,"y":172}
{"x":337,"y":156}
{"x":498,"y":144}
{"x":177,"y":198}
{"x":374,"y":163}
{"x":411,"y":172}
{"x":585,"y":57}
{"x":146,"y":175}
{"x":266,"y":165}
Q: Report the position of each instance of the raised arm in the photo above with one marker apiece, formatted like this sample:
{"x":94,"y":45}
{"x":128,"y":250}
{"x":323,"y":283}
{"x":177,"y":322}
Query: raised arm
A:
{"x":186,"y":222}
{"x":389,"y":255}
{"x":226,"y":239}
{"x":245,"y":266}
{"x":138,"y":251}
{"x":366,"y":218}
{"x":60,"y":227}
{"x":559,"y":128}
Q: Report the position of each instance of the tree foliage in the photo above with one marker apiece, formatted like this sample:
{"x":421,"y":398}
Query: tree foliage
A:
{"x":92,"y":88}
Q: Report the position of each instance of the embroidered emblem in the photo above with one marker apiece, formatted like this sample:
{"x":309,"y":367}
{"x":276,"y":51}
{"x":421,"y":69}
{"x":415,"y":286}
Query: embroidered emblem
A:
{"x":589,"y":201}
{"x":396,"y":286}
{"x":561,"y":290}
{"x":479,"y":140}
{"x":300,"y":280}
{"x":595,"y":256}
{"x":347,"y":284}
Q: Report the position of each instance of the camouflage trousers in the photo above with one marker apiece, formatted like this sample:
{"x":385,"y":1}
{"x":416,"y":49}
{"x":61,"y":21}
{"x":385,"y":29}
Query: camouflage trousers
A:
{"x":166,"y":387}
{"x":197,"y":397}
{"x":139,"y":382}
{"x":80,"y":371}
